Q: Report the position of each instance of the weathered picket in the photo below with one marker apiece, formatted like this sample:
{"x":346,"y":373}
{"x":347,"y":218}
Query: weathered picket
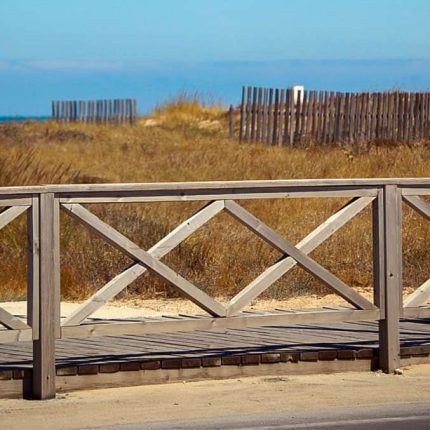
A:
{"x":43,"y":204}
{"x":117,"y":111}
{"x":276,"y":117}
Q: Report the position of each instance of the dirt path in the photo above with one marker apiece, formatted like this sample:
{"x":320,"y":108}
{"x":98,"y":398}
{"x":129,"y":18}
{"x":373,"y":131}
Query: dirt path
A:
{"x":216,"y":398}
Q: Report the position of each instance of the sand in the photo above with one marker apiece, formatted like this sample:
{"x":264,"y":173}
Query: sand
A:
{"x":136,"y":308}
{"x":216,"y":398}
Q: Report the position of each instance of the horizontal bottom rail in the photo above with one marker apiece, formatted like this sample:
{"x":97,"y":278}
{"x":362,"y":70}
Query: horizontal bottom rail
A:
{"x":418,"y":312}
{"x":95,"y":327}
{"x":206,"y":323}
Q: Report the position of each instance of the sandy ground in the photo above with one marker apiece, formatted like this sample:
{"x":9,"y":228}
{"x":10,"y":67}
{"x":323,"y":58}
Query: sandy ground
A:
{"x":140,"y":308}
{"x":216,"y":398}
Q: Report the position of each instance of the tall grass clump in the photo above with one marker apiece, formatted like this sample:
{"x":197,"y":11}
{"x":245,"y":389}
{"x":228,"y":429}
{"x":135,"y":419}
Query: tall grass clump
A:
{"x":190,"y":109}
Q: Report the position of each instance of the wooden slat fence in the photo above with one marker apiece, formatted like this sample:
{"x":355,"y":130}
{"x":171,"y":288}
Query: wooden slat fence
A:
{"x":274,"y":117}
{"x":116,"y":111}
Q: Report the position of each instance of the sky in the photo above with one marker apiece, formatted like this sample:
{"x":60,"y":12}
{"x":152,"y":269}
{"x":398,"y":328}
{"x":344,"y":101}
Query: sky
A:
{"x":152,"y":50}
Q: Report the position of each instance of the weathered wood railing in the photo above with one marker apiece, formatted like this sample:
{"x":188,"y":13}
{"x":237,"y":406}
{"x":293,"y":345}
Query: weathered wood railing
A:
{"x":43,"y":203}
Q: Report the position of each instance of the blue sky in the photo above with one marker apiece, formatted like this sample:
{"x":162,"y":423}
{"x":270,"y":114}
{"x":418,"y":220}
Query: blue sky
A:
{"x":154,"y":49}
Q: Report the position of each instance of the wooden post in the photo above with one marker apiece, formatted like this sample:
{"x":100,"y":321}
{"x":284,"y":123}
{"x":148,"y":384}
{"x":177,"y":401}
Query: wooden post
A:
{"x":83,"y":111}
{"x":242,"y":116}
{"x":33,"y":264}
{"x":281,"y":121}
{"x":88,"y":111}
{"x":134,"y":111}
{"x":259,"y":113}
{"x":274,"y":135}
{"x":75,"y":111}
{"x":292,"y":106}
{"x":44,"y":346}
{"x":66,"y":111}
{"x":388,"y":279}
{"x":298,"y":107}
{"x":121,"y":111}
{"x":128,"y":110}
{"x":231,"y":121}
{"x":264,"y":116}
{"x":269,"y":129}
{"x":253,"y":114}
{"x":248,"y":114}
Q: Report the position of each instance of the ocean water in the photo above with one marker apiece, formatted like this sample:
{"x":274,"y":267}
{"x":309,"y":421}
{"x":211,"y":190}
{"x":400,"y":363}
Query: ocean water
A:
{"x":23,"y":118}
{"x":27,"y":92}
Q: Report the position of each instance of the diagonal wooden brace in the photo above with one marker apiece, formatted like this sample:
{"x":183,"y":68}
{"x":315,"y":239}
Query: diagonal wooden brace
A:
{"x":10,"y":214}
{"x":7,"y":319}
{"x":11,"y":321}
{"x":303,"y":260}
{"x":422,"y":294}
{"x":286,"y":263}
{"x":160,"y":249}
{"x":129,"y":248}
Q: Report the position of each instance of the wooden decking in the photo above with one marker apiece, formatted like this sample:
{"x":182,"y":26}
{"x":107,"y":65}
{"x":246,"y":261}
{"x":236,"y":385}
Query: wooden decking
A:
{"x":135,"y":359}
{"x":300,"y":338}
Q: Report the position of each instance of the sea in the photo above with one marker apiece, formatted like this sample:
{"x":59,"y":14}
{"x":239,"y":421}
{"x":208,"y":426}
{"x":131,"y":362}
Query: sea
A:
{"x":20,"y":118}
{"x":26,"y":93}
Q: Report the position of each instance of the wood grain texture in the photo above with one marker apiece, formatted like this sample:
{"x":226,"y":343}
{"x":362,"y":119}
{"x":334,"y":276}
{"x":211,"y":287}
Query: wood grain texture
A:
{"x":389,"y":326}
{"x":33,"y":266}
{"x":411,"y":186}
{"x":44,"y":346}
{"x":235,"y":322}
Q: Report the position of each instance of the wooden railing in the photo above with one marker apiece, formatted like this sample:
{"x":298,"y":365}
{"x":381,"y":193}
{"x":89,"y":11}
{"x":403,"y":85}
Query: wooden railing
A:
{"x":115,"y":111}
{"x":278,"y":117}
{"x":42,"y":205}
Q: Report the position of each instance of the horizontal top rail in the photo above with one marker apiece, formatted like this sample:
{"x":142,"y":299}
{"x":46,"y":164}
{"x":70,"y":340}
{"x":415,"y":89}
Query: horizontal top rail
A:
{"x":267,"y":185}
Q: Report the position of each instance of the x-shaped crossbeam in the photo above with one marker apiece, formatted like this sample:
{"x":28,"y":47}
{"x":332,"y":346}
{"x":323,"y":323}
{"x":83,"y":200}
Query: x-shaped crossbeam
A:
{"x":149,"y":260}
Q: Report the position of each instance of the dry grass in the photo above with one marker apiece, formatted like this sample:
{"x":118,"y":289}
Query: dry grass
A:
{"x":222,"y":256}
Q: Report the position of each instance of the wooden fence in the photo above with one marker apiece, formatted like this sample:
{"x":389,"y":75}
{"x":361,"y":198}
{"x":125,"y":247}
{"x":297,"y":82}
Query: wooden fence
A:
{"x":272,"y":116}
{"x":117,"y":111}
{"x":42,"y":205}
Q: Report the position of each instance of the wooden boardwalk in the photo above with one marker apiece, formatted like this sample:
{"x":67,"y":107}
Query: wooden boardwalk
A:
{"x":200,"y":344}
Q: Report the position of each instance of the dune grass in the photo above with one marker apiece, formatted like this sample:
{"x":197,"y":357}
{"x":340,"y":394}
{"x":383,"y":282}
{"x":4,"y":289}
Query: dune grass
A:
{"x":185,"y":145}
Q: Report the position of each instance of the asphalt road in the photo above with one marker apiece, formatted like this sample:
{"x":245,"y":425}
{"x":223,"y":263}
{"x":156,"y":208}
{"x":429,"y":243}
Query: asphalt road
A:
{"x":414,"y":416}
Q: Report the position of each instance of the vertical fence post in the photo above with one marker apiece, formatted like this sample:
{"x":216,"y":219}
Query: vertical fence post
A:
{"x":292,"y":104}
{"x":253,"y":114}
{"x":134,"y":111}
{"x":49,"y":300}
{"x":388,"y":274}
{"x":231,"y":122}
{"x":33,"y":265}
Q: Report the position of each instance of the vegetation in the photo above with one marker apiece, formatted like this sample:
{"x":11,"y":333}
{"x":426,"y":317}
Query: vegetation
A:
{"x":187,"y":141}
